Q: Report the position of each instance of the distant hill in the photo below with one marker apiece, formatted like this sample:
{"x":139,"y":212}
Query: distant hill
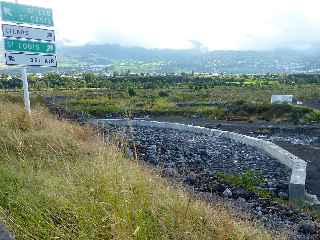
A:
{"x":137,"y":59}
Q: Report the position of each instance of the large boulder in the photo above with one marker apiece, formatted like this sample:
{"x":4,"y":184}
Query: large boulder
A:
{"x":4,"y":234}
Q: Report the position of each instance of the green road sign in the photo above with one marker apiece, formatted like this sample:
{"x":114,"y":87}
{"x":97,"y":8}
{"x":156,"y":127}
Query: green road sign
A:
{"x":29,"y":46}
{"x":20,"y":13}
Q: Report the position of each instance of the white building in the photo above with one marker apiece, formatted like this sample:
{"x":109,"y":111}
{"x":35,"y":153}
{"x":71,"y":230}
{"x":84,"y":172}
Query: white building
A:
{"x":290,"y":99}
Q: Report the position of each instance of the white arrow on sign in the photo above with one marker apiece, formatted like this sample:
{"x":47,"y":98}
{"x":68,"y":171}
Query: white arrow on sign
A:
{"x":16,"y":31}
{"x":34,"y":60}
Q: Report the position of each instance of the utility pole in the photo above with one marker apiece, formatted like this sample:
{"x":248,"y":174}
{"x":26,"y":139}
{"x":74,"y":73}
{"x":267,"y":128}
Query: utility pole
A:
{"x":26,"y":95}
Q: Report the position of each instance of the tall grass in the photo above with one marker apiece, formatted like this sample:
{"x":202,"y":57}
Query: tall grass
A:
{"x":60,"y":181}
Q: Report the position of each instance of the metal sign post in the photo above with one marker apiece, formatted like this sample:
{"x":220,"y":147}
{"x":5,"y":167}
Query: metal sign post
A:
{"x":26,"y":95}
{"x":29,"y":45}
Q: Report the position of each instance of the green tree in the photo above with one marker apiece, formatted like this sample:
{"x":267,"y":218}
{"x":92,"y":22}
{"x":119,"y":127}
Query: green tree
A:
{"x":131,"y":92}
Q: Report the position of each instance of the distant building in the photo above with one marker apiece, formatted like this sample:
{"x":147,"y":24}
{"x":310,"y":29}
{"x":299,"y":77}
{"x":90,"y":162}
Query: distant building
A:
{"x":290,"y":99}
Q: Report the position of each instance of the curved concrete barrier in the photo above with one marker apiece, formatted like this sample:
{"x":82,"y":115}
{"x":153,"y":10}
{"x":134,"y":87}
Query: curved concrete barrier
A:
{"x":297,"y":165}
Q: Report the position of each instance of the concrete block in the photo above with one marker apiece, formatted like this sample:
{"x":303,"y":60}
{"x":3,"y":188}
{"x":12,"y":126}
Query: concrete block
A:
{"x":296,"y":193}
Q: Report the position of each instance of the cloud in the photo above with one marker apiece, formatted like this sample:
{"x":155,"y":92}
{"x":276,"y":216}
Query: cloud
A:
{"x":198,"y":46}
{"x":228,"y":24}
{"x":293,"y":30}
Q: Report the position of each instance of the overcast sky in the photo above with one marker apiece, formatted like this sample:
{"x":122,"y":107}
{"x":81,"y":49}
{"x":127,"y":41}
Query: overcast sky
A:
{"x":217,"y":24}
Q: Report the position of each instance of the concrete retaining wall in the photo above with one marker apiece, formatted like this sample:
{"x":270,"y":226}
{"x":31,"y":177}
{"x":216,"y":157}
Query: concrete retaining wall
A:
{"x":297,"y":165}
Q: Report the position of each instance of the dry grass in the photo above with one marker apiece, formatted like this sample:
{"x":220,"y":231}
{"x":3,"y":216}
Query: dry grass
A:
{"x":60,"y":181}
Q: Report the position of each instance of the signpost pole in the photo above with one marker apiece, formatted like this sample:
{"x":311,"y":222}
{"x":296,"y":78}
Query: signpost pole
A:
{"x":26,"y":95}
{"x":37,"y":47}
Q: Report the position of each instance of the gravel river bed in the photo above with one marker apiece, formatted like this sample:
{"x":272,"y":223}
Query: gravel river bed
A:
{"x":196,"y":160}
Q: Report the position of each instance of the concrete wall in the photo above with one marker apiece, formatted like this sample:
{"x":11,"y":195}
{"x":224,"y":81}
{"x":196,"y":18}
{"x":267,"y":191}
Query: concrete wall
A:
{"x":297,"y":165}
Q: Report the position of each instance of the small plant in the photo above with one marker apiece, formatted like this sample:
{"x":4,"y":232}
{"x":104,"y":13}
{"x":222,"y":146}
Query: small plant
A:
{"x":263,"y":193}
{"x":163,"y":94}
{"x":249,"y":180}
{"x":313,"y":117}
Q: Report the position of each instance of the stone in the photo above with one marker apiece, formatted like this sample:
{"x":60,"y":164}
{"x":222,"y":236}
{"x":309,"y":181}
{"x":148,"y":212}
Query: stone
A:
{"x":283,"y":186}
{"x":270,"y":184}
{"x":240,"y":192}
{"x":195,"y":155}
{"x":4,"y":234}
{"x":313,"y":199}
{"x":169,"y":172}
{"x":227,"y":193}
{"x":283,"y":195}
{"x":242,"y":202}
{"x":190,"y":180}
{"x":130,"y":153}
{"x":153,"y":149}
{"x":316,"y":141}
{"x":219,"y":188}
{"x":307,"y":227}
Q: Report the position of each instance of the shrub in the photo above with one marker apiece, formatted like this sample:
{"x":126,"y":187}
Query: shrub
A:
{"x":131,"y":92}
{"x":163,"y":94}
{"x":249,"y":180}
{"x":313,"y":117}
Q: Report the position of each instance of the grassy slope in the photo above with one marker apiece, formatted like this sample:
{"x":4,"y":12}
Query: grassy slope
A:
{"x":60,"y":181}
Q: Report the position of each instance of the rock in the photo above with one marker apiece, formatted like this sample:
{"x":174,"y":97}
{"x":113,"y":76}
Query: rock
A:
{"x":203,"y":153}
{"x":169,"y":172}
{"x":313,"y":199}
{"x":196,"y":115}
{"x":227,"y":193}
{"x":130,"y":153}
{"x":219,"y":188}
{"x":242,"y":203}
{"x":283,"y":195}
{"x":152,"y":149}
{"x":316,"y":141}
{"x":196,"y":158}
{"x":283,"y":186}
{"x":272,"y":190}
{"x":4,"y":234}
{"x":240,"y":192}
{"x":270,"y":184}
{"x":307,"y":227}
{"x":190,"y":180}
{"x":152,"y":154}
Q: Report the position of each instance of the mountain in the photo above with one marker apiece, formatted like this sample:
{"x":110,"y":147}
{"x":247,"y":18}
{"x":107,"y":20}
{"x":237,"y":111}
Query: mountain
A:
{"x":137,"y":59}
